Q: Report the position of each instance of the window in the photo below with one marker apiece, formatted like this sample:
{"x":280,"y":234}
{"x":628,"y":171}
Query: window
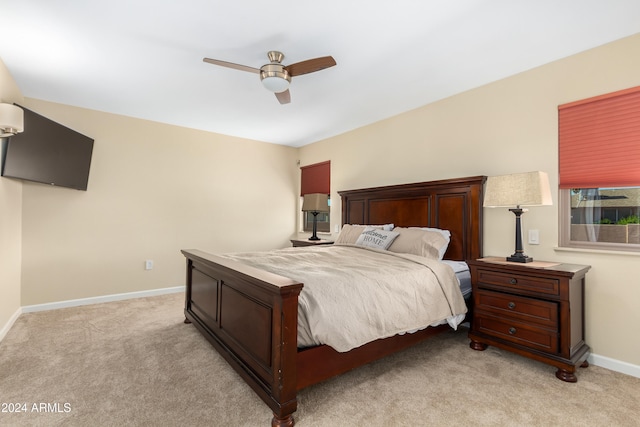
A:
{"x":323,"y":225}
{"x":604,"y":215}
{"x":316,"y":178}
{"x":599,"y":154}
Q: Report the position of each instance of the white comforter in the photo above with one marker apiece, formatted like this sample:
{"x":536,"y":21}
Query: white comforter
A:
{"x":353,"y":295}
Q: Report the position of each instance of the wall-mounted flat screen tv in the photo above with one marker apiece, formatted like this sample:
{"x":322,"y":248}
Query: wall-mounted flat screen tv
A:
{"x":48,"y":152}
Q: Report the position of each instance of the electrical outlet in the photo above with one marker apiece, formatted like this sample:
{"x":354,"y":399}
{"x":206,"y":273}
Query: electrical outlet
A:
{"x":148,"y":264}
{"x":534,"y":237}
{"x":336,"y":228}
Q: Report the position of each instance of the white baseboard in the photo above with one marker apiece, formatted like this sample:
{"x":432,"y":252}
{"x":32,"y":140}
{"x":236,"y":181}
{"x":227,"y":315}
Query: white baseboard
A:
{"x":5,"y":329}
{"x":615,"y":365}
{"x":595,"y":359}
{"x":101,"y":299}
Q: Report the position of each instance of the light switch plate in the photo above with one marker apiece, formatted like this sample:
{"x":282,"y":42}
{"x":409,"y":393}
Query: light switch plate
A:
{"x":534,"y":237}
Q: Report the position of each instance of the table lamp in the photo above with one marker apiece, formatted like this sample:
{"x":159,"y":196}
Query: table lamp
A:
{"x":315,"y":203}
{"x":520,"y":189}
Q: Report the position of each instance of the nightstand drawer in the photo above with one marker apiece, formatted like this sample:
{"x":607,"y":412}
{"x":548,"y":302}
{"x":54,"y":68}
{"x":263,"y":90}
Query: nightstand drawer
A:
{"x":536,"y":311}
{"x":517,"y":332}
{"x":517,"y":282}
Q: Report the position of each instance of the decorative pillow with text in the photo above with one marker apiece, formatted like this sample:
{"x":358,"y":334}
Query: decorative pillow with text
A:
{"x":376,"y":238}
{"x":350,"y":232}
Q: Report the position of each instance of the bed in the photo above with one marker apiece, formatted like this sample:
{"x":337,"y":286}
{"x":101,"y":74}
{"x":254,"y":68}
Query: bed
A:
{"x":250,"y":315}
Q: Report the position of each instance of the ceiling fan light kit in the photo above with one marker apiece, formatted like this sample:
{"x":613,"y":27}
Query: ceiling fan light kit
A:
{"x":275,"y":76}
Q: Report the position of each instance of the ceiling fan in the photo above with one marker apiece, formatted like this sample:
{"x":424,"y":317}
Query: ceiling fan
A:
{"x":275,"y":76}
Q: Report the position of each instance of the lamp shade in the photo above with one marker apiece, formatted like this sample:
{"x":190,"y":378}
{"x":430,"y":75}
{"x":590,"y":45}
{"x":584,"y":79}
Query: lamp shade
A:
{"x":11,"y":120}
{"x":520,"y":189}
{"x":315,"y":202}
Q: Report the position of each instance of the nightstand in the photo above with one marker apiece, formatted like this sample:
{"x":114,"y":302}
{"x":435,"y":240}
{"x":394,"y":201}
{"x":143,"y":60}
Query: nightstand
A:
{"x":306,"y":242}
{"x":533,"y":309}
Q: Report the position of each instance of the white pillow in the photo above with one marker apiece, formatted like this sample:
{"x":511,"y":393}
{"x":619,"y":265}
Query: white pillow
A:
{"x":445,"y":233}
{"x":349,"y":234}
{"x":425,"y":243}
{"x":376,"y":238}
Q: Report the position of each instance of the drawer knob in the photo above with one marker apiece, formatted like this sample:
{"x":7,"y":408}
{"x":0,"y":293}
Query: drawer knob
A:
{"x":511,"y":305}
{"x":513,"y":281}
{"x":512,"y":330}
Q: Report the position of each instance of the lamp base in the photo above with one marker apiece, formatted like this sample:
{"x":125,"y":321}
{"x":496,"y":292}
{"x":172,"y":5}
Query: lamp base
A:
{"x":314,"y":236}
{"x":518,"y":255}
{"x":519,"y":258}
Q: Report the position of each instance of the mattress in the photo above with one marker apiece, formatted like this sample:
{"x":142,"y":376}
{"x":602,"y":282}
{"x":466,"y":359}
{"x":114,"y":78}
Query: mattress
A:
{"x":462,"y":273}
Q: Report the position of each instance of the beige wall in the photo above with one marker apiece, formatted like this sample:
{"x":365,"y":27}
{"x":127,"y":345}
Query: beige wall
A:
{"x":10,"y":220}
{"x":153,"y":189}
{"x":505,"y":127}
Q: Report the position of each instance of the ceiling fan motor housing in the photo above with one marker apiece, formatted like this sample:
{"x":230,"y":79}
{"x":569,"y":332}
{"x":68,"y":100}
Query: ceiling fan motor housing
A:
{"x":275,"y":77}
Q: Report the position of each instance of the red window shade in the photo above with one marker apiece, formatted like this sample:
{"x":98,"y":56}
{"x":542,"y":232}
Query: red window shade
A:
{"x":599,"y":141}
{"x":316,"y":178}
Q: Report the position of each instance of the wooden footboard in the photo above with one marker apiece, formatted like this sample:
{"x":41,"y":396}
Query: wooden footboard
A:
{"x":250,"y":316}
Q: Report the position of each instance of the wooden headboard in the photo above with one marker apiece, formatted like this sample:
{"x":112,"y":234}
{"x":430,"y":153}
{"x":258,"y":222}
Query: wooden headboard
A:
{"x":451,"y":204}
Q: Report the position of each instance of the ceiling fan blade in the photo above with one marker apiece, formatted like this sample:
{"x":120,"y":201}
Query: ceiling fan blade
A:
{"x":284,"y":97}
{"x":310,"y":65}
{"x":232,"y":65}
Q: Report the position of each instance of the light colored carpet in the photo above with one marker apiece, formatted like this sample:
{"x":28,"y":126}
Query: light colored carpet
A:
{"x":135,"y":363}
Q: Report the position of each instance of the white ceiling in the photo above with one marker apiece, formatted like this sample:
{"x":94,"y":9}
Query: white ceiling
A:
{"x":143,"y":58}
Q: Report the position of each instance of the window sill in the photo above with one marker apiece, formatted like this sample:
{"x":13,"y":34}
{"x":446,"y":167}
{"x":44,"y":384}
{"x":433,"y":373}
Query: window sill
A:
{"x":597,"y":251}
